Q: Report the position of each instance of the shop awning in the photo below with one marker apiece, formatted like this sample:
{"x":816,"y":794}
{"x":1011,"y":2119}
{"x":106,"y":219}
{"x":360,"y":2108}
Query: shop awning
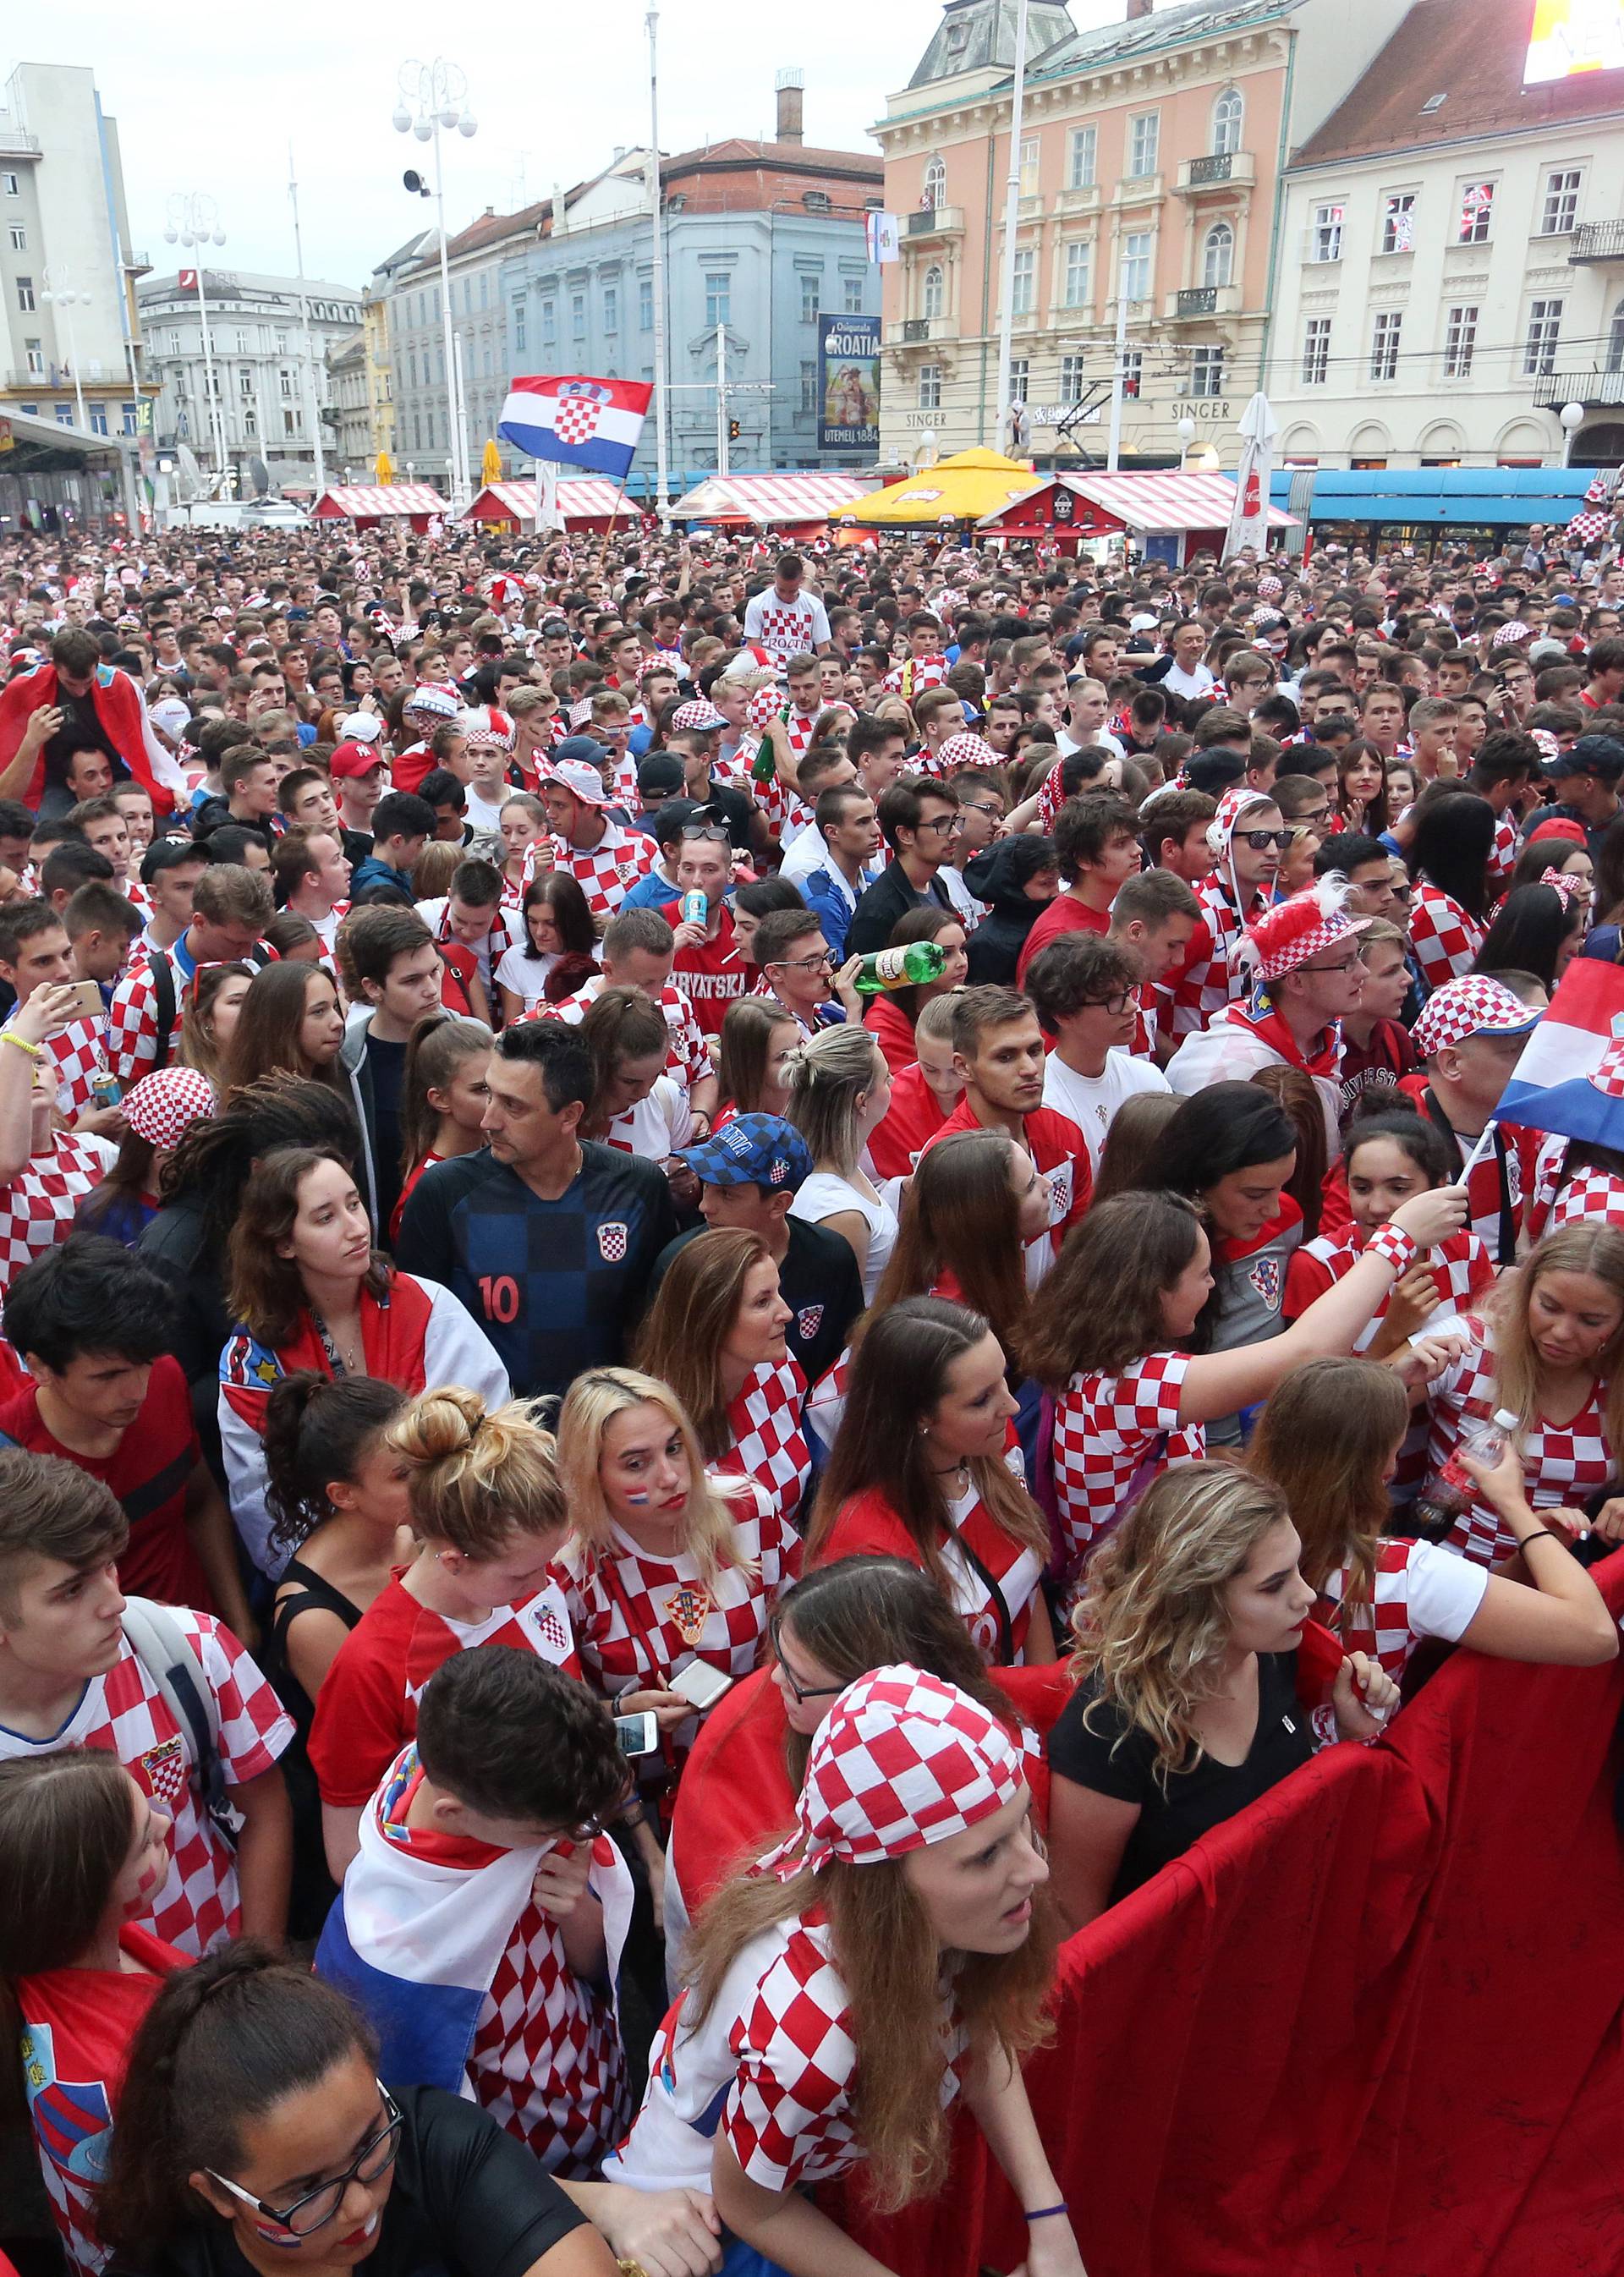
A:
{"x":768,"y":501}
{"x":1170,"y":501}
{"x":580,"y":500}
{"x":372,"y":501}
{"x":970,"y":486}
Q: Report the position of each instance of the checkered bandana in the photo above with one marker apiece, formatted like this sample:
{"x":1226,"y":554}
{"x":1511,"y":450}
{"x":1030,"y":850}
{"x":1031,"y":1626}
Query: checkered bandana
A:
{"x":1505,"y":635}
{"x":966,"y":750}
{"x":1473,"y":1007}
{"x":432,"y":701}
{"x":164,"y":1106}
{"x":903,"y":1761}
{"x":763,"y":707}
{"x":700,"y":713}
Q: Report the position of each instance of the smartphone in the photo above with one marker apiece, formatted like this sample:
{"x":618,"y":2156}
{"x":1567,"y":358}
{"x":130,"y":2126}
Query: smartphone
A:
{"x":701,"y":1684}
{"x":638,"y":1735}
{"x":87,"y":1003}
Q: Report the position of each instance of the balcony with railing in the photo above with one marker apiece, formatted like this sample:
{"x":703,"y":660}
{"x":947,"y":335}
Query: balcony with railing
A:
{"x":1596,"y":241}
{"x":935,"y":221}
{"x":14,"y":143}
{"x":1219,"y":169}
{"x":1595,"y":389}
{"x":1193,"y":301}
{"x":913,"y":331}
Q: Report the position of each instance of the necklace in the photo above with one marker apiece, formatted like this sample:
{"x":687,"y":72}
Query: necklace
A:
{"x":960,"y":1471}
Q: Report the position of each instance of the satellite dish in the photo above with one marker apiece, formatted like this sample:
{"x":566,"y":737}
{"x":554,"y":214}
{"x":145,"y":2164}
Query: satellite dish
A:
{"x":192,"y":484}
{"x":259,"y":475}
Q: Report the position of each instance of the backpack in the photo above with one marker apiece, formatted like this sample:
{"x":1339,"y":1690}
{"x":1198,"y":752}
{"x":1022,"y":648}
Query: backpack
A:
{"x":171,"y":1658}
{"x":162,"y":969}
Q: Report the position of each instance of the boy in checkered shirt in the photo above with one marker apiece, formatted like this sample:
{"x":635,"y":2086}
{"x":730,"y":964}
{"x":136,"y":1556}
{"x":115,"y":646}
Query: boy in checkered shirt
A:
{"x":485,"y":1896}
{"x":232,"y":907}
{"x":70,"y":1677}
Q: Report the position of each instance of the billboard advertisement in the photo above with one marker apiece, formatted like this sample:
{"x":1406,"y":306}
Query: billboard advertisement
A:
{"x":849,"y":383}
{"x":1569,"y":36}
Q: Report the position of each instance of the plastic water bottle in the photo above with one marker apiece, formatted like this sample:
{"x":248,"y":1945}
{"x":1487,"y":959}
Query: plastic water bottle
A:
{"x":1453,"y":1489}
{"x":901,"y":968}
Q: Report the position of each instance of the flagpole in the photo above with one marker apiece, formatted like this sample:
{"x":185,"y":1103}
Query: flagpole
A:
{"x":1478,"y":1152}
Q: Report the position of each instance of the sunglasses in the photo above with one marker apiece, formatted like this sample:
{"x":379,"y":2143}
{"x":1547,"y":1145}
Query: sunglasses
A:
{"x":1261,"y":841}
{"x":705,"y":830}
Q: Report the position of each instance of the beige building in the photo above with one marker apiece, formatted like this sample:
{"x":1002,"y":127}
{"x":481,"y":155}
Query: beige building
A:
{"x":348,"y":412}
{"x":380,"y":373}
{"x":1151,"y":159}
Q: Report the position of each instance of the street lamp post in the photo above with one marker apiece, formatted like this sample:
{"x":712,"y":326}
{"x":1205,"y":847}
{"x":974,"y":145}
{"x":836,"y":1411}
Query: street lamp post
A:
{"x":439,"y":90}
{"x":58,"y":294}
{"x":656,"y":214}
{"x":1187,"y":435}
{"x":194,"y":221}
{"x":1572,"y":416}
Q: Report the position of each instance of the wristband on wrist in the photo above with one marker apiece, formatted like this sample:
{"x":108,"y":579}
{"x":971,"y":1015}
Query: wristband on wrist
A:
{"x":9,"y":1035}
{"x":1392,"y":1243}
{"x":1543,"y":1533}
{"x":1042,"y":2214}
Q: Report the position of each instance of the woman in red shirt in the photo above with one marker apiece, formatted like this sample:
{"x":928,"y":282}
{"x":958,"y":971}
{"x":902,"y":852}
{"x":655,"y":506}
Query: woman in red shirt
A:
{"x":892,"y":1014}
{"x":82,"y":1852}
{"x":920,"y":1470}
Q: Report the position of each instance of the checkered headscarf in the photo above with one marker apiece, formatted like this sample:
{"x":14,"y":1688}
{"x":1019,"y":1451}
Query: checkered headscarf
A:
{"x":163,"y":1106}
{"x":902,"y":1760}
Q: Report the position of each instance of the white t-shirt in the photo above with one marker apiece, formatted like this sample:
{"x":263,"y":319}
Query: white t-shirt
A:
{"x":657,"y":1125}
{"x":1189,"y":685}
{"x":824,"y":1195}
{"x":1091,"y":1101}
{"x":479,"y":813}
{"x":526,"y":975}
{"x":792,"y":628}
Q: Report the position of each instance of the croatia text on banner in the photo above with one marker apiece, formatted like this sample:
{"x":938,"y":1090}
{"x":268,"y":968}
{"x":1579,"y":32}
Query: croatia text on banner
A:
{"x":1371,"y":2028}
{"x":578,"y":422}
{"x":1570,"y":1077}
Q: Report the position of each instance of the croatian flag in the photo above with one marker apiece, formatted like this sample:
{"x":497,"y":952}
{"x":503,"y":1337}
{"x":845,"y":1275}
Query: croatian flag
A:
{"x":416,"y":1941}
{"x":1570,"y":1077}
{"x":580,"y":423}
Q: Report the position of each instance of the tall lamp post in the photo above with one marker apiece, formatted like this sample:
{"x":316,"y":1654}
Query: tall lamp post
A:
{"x":439,"y":91}
{"x":58,"y":294}
{"x":657,"y":214}
{"x":195,"y":222}
{"x":1572,"y":416}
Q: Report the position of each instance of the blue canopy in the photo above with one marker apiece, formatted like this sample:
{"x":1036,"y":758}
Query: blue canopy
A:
{"x":1465,"y":496}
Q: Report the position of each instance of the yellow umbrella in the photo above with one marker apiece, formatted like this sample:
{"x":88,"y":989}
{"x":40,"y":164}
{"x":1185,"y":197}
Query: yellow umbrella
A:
{"x":491,"y":465}
{"x":384,"y":470}
{"x":964,"y":488}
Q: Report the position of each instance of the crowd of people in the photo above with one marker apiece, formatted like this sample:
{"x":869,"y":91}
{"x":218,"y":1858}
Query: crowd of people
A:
{"x":730,"y":1279}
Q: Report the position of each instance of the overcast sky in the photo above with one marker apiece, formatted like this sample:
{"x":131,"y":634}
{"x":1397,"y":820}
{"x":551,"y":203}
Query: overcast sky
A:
{"x":208,"y":100}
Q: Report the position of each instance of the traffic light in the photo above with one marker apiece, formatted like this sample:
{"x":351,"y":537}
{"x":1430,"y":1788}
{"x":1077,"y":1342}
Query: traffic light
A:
{"x":734,"y":430}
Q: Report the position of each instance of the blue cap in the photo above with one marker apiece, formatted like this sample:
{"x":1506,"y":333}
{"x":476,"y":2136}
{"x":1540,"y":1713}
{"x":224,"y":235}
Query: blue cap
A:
{"x":583,"y":750}
{"x":752,"y":1150}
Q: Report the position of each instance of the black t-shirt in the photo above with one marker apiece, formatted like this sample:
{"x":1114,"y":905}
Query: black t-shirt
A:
{"x":467,"y":2201}
{"x":1196,"y":1799}
{"x":558,"y":1286}
{"x":819,"y":1282}
{"x":386,"y":1066}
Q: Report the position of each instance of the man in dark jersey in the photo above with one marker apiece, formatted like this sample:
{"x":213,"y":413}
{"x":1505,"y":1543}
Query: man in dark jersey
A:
{"x":548,"y":1241}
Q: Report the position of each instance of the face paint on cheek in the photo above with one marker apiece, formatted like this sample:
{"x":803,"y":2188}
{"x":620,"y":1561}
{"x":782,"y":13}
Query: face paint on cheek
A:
{"x":270,"y":2235}
{"x":635,"y":1501}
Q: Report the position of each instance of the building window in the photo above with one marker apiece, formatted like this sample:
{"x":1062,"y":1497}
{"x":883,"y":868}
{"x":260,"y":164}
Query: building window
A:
{"x":578,"y":316}
{"x":612,"y":307}
{"x":411,"y":367}
{"x":930,"y":387}
{"x":1135,"y":282}
{"x":1385,"y":343}
{"x":518,"y":327}
{"x":290,"y":422}
{"x":812,"y":299}
{"x":245,"y":385}
{"x":484,"y":280}
{"x":645,"y":304}
{"x":1031,"y":155}
{"x":1460,"y":340}
{"x":24,"y":294}
{"x":98,"y":419}
{"x":1218,"y":255}
{"x":1207,"y":371}
{"x":64,"y":414}
{"x":12,"y":184}
{"x":1561,"y":206}
{"x":1228,"y":115}
{"x":549,"y":324}
{"x":854,"y":296}
{"x":809,"y":390}
{"x":1133,"y":371}
{"x":1325,"y":235}
{"x":1144,"y":144}
{"x":718,"y":299}
{"x":1615,"y":340}
{"x":485,"y":365}
{"x":934,"y":196}
{"x":818,"y":201}
{"x":1020,"y":379}
{"x":250,"y":423}
{"x":931,"y":297}
{"x":1315,"y":351}
{"x":1539,"y":349}
{"x":1476,"y":213}
{"x":1025,"y":281}
{"x":35,"y":351}
{"x":1073,"y":378}
{"x":1081,"y":152}
{"x":1399,"y":222}
{"x":20,"y":238}
{"x":1078,"y":275}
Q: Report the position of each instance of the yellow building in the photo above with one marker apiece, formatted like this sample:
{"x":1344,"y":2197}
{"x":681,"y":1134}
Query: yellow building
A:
{"x":380,"y":392}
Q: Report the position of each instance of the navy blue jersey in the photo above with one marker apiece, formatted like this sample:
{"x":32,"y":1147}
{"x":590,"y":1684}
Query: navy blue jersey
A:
{"x":557,"y":1286}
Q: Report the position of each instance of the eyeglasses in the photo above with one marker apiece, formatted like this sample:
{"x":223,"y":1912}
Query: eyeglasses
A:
{"x":803,"y":1692}
{"x":943,"y":825}
{"x":1116,"y":1005}
{"x":1347,"y":964}
{"x":318,"y":2207}
{"x":1261,"y":841}
{"x":988,"y":806}
{"x":823,"y":963}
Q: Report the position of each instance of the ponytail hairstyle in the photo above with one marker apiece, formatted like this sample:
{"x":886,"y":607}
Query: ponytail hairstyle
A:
{"x":438,"y":1046}
{"x":222,"y":2045}
{"x":828,"y":1075}
{"x":1325,"y":1438}
{"x":478,"y":1474}
{"x":318,"y":1428}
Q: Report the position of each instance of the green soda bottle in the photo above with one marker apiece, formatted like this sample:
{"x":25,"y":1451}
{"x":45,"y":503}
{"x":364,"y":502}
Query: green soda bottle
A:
{"x":901,"y":968}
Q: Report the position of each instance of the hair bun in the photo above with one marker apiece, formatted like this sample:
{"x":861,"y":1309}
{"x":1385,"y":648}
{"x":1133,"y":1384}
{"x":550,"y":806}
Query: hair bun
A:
{"x":440,"y":1424}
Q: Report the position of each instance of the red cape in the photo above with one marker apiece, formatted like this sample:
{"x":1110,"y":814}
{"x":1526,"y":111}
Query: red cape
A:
{"x":117,"y":707}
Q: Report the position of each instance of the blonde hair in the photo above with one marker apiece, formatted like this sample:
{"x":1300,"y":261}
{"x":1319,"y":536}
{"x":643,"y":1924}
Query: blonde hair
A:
{"x":591,"y":1405}
{"x":1324,"y":1438}
{"x":478,"y":1474}
{"x":1599,"y":1252}
{"x":435,"y":868}
{"x":827,"y":1076}
{"x":1153,"y":1626}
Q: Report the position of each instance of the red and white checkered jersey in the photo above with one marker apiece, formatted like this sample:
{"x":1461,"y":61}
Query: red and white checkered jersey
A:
{"x":786,"y":812}
{"x":638,"y":1619}
{"x":1207,"y":977}
{"x":987,"y":1568}
{"x":1503,"y":853}
{"x":1562,"y":1464}
{"x":798,"y":726}
{"x":1590,"y":1197}
{"x":1419,"y":1590}
{"x":38,"y":1207}
{"x":133,"y":1025}
{"x":124,"y":1712}
{"x":769,"y":1442}
{"x":606,"y":872}
{"x":78,"y":1053}
{"x":1444,"y":937}
{"x":1460,"y":1266}
{"x":1113,"y":1435}
{"x":689,"y":1062}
